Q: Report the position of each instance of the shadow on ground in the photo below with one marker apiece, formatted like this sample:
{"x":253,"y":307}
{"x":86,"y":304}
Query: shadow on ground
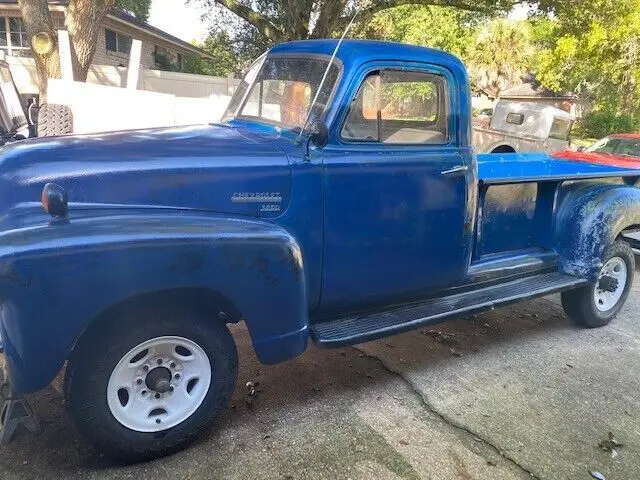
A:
{"x":482,"y":397}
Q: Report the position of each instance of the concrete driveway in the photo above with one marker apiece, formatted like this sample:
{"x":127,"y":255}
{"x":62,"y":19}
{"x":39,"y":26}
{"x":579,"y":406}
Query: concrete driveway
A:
{"x":516,"y":393}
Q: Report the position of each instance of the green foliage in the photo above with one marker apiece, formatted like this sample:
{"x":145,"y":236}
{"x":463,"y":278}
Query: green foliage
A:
{"x":587,"y":47}
{"x":592,"y":48}
{"x":138,"y":8}
{"x":603,"y":123}
{"x":486,"y":46}
{"x":437,"y":27}
{"x":218,"y":45}
{"x":501,"y":56}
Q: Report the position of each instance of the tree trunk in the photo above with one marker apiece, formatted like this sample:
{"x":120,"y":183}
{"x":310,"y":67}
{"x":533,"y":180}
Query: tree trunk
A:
{"x":44,"y":41}
{"x":85,"y":19}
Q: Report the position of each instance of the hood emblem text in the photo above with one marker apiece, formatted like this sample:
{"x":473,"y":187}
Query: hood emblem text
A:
{"x":256,"y":197}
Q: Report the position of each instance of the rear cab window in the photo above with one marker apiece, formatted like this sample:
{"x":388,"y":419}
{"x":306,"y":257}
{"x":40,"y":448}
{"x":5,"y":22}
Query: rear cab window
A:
{"x":515,"y":118}
{"x":560,"y":128}
{"x":399,"y":107}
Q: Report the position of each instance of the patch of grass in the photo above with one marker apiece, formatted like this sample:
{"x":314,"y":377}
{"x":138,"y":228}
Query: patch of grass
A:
{"x":582,"y":142}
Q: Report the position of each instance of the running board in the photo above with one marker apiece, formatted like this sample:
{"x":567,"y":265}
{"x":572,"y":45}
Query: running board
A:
{"x":364,"y":327}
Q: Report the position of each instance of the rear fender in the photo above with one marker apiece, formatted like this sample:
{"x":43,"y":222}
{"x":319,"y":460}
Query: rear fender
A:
{"x":55,"y":279}
{"x":589,"y":218}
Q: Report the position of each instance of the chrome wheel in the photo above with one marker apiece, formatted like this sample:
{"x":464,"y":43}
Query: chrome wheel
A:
{"x":611,"y":284}
{"x":159,"y":384}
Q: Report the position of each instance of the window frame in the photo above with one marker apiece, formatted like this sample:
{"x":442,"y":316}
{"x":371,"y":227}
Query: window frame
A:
{"x":570,"y":122}
{"x":321,"y":56}
{"x":8,"y":31}
{"x":515,"y":114}
{"x":426,"y":69}
{"x":117,"y":38}
{"x":628,"y":141}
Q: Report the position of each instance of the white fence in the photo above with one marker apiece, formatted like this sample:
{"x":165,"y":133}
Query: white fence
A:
{"x":100,"y":108}
{"x":180,"y":84}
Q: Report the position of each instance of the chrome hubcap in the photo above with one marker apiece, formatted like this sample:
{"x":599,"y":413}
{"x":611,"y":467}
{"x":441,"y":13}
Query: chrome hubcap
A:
{"x":159,"y":384}
{"x":611,"y":284}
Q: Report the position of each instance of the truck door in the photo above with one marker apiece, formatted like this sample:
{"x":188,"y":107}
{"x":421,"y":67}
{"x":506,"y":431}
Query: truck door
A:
{"x":396,"y":187}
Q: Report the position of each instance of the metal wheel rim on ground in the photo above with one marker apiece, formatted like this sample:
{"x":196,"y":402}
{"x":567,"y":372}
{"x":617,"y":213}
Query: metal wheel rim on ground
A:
{"x":159,"y":384}
{"x":605,"y":300}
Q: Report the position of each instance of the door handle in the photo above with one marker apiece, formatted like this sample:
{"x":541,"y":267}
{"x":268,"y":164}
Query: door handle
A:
{"x":455,"y":170}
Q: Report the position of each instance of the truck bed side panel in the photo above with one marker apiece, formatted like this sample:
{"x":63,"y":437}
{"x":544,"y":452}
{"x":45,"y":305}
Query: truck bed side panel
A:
{"x":519,"y":167}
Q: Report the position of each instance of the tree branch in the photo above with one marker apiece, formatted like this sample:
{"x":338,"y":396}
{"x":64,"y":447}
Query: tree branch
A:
{"x":379,"y":5}
{"x":261,"y":22}
{"x":471,"y":6}
{"x":329,"y":12}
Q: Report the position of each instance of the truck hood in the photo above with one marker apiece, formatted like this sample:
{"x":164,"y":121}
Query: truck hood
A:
{"x":214,"y":168}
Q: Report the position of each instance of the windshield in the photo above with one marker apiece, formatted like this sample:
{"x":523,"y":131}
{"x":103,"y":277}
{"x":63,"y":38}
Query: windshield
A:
{"x":279,"y":90}
{"x":617,"y":146}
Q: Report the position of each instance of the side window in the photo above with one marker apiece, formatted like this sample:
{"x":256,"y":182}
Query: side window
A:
{"x":399,"y":107}
{"x":606,"y":145}
{"x":515,"y":118}
{"x":630,"y":148}
{"x":560,"y":128}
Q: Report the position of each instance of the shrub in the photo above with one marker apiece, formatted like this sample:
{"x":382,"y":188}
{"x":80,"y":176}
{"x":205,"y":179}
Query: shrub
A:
{"x":600,"y":124}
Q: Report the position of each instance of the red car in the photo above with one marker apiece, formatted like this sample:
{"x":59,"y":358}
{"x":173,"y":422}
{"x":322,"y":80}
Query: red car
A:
{"x":621,"y":150}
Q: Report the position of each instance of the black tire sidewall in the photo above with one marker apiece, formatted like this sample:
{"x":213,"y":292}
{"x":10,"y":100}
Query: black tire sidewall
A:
{"x":580,"y":304}
{"x":92,"y":364}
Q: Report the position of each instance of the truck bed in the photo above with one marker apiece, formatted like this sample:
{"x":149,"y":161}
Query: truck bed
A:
{"x":500,"y":168}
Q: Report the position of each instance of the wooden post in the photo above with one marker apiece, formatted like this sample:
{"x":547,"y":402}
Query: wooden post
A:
{"x":133,"y":72}
{"x":66,"y":67}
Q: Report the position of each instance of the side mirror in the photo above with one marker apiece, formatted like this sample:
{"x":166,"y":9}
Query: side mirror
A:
{"x":319,"y":134}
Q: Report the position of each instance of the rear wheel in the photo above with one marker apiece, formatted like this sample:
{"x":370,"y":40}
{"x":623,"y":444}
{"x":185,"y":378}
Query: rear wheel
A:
{"x":595,"y":305}
{"x":146,"y":385}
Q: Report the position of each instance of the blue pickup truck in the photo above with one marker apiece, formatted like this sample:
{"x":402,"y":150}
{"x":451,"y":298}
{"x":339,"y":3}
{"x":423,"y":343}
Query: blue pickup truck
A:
{"x":339,"y":199}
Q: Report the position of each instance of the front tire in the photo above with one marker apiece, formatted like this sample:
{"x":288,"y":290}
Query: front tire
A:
{"x":596,"y":304}
{"x":145,"y":385}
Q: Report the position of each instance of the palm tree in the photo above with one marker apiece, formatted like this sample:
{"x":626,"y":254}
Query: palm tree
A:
{"x":500,"y":57}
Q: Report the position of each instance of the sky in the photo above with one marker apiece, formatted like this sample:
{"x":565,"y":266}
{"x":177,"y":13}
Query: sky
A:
{"x":178,"y":19}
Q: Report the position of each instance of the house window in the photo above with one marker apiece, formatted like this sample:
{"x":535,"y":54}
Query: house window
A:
{"x":3,"y":33}
{"x":167,"y":60}
{"x":13,"y":35}
{"x":18,"y":31}
{"x":117,"y":42}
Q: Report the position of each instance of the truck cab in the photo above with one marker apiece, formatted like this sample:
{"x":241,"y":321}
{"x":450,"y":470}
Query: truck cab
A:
{"x":339,"y":201}
{"x":517,"y":126}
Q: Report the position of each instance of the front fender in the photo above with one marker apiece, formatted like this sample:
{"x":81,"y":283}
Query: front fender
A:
{"x":589,"y":218}
{"x":55,"y":279}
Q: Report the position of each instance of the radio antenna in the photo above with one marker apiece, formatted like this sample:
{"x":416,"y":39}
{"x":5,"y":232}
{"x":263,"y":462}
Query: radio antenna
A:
{"x":324,"y":77}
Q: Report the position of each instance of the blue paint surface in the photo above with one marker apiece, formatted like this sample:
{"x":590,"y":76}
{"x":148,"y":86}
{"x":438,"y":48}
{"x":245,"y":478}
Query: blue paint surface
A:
{"x":237,"y":211}
{"x":519,"y":167}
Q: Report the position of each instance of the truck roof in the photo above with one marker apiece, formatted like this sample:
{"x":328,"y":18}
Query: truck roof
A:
{"x":362,"y":51}
{"x":633,"y":136}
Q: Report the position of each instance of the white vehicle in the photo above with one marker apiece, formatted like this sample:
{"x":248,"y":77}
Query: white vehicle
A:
{"x":522,"y":127}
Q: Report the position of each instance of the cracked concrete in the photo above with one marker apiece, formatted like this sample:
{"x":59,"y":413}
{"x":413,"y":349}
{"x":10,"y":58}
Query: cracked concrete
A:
{"x":516,"y":393}
{"x":450,"y":421}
